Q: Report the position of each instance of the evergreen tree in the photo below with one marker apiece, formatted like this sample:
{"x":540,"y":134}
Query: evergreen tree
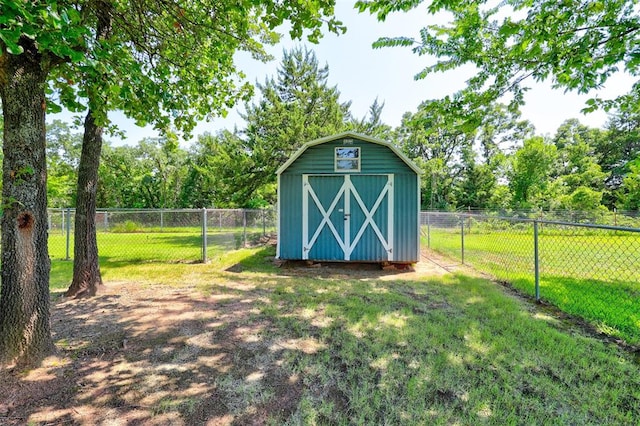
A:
{"x":295,"y":107}
{"x":371,"y":124}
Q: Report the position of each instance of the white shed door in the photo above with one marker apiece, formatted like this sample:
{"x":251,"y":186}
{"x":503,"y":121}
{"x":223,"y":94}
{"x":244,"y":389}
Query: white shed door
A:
{"x":347,"y":217}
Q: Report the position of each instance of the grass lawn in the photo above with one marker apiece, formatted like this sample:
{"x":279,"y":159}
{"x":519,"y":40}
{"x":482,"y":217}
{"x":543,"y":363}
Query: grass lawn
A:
{"x":241,"y":341}
{"x":167,"y":245}
{"x":594,"y":275}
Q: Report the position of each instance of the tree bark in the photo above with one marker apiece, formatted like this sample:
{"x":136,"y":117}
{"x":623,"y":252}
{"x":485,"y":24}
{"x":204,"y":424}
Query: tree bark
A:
{"x":25,"y":332}
{"x":86,"y":267}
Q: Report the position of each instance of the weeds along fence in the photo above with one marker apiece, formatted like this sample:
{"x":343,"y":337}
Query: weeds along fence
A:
{"x":181,"y":235}
{"x":591,"y":271}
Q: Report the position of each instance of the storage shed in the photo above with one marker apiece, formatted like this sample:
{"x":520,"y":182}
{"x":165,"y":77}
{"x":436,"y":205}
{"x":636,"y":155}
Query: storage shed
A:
{"x":349,"y":197}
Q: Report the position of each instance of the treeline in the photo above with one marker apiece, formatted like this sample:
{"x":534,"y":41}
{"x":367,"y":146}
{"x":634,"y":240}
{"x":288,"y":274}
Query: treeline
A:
{"x":497,"y":163}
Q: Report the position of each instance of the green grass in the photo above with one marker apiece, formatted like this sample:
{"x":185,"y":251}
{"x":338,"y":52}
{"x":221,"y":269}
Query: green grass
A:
{"x":178,"y":245}
{"x":446,"y":350}
{"x":452,"y":350}
{"x":594,"y":274}
{"x":155,"y":255}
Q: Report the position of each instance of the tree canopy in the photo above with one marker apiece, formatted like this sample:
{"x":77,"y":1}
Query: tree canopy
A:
{"x":169,"y":63}
{"x":577,"y":45}
{"x":577,"y":178}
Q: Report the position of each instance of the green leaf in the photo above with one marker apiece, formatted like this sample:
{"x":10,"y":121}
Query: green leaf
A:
{"x":509,"y":28}
{"x":53,"y":107}
{"x":392,"y":42}
{"x":578,"y":45}
{"x":11,"y":44}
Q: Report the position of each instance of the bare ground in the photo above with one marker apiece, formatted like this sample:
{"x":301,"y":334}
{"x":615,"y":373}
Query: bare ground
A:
{"x":168,"y":356}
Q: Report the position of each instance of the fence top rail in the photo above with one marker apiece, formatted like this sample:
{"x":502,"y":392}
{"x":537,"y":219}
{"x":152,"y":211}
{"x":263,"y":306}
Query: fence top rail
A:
{"x":587,"y":225}
{"x":539,"y":213}
{"x":133,"y":210}
{"x":542,"y":221}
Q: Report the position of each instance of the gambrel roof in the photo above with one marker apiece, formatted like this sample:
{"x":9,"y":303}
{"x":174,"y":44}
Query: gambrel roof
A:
{"x":346,"y":135}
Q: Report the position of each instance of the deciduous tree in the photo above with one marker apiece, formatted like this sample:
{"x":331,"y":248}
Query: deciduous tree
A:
{"x":63,"y":156}
{"x":576,"y":45}
{"x":213,"y":172}
{"x":582,"y":178}
{"x":630,"y":199}
{"x":35,"y":37}
{"x":119,"y":177}
{"x":529,"y":174}
{"x":137,"y":69}
{"x":161,"y":164}
{"x":170,"y":64}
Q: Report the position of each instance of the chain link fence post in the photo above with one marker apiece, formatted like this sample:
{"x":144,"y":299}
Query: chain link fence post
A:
{"x":428,"y":230}
{"x":68,"y":229}
{"x":536,"y":260}
{"x":462,"y":238}
{"x":204,"y":235}
{"x":244,"y":227}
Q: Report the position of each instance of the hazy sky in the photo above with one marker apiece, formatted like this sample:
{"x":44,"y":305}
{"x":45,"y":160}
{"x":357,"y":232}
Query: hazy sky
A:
{"x":362,"y":74}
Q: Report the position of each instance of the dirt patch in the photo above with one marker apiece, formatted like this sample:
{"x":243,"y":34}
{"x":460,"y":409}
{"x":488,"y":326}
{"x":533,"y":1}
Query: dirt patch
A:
{"x":145,"y":356}
{"x":430,"y":265}
{"x":169,"y":356}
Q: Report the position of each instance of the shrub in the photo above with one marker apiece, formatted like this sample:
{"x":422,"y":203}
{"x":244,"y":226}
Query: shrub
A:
{"x":127,"y":227}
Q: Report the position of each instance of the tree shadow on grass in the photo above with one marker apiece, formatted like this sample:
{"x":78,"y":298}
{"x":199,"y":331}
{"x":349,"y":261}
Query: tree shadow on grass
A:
{"x":155,"y":357}
{"x":158,"y":355}
{"x":611,"y":307}
{"x":263,"y":346}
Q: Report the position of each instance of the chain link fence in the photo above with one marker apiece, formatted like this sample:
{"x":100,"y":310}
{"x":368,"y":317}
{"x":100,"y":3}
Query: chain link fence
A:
{"x":601,"y":216}
{"x":588,"y":270}
{"x":185,"y":235}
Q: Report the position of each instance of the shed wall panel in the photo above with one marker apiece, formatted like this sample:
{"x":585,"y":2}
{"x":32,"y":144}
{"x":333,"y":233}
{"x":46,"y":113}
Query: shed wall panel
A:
{"x":406,"y":218}
{"x":290,"y":229}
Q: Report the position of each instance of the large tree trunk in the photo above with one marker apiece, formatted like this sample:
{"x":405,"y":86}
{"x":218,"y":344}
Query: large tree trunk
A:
{"x":25,"y":333}
{"x":86,"y":267}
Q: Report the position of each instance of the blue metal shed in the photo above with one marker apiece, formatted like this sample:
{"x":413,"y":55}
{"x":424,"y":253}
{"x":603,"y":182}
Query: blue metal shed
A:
{"x":349,"y":197}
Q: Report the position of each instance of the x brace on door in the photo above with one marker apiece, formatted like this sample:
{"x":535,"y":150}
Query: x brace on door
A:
{"x":344,"y":241}
{"x":307,"y":191}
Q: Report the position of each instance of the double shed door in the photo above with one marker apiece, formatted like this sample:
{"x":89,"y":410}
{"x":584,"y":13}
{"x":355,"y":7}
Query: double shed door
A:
{"x":347,"y":217}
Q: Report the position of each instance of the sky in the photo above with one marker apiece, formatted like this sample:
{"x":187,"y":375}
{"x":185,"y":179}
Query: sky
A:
{"x":363,"y":74}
